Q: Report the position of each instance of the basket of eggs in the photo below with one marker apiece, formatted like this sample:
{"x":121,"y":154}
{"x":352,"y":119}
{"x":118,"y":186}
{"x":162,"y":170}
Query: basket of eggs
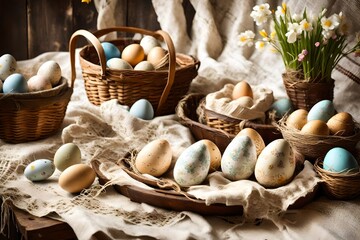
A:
{"x":130,"y":70}
{"x":33,"y":108}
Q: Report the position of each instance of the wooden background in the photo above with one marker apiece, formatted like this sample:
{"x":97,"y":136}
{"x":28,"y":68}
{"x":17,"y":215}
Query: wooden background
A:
{"x":31,"y":27}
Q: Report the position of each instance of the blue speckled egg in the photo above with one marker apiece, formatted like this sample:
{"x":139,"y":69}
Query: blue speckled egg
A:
{"x":339,"y":160}
{"x":192,"y":166}
{"x":142,"y":109}
{"x":110,"y":50}
{"x":39,"y":170}
{"x":15,"y":83}
{"x":322,"y":110}
{"x":281,"y":107}
{"x":239,"y":158}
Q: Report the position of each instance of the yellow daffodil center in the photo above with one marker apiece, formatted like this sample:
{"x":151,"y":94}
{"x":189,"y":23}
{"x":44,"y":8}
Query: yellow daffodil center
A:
{"x":263,"y":33}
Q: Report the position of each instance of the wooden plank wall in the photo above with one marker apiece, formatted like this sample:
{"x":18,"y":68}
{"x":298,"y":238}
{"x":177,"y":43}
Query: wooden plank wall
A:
{"x":31,"y":27}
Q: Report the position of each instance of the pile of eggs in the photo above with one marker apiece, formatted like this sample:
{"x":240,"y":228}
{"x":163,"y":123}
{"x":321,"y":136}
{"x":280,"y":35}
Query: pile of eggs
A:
{"x":243,"y":94}
{"x":47,"y":77}
{"x":75,"y":176}
{"x":143,"y":56}
{"x":246,"y":155}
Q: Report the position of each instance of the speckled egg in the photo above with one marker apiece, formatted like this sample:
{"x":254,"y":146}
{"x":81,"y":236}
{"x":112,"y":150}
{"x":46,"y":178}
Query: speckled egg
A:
{"x":50,"y":70}
{"x":281,"y":107}
{"x":155,"y":55}
{"x":215,"y":155}
{"x":192,"y":166}
{"x":340,"y":160}
{"x":38,"y":83}
{"x":297,"y":119}
{"x":154,"y":158}
{"x":133,"y":54}
{"x":39,"y":170}
{"x":341,"y":124}
{"x":255,"y":137}
{"x":67,"y":155}
{"x":110,"y":50}
{"x":239,"y":158}
{"x":148,"y":43}
{"x":322,"y":110}
{"x":144,"y":66}
{"x":275,"y":166}
{"x":15,"y":83}
{"x":142,"y":109}
{"x":76,"y":178}
{"x":118,"y":64}
{"x":8,"y":66}
{"x":242,"y":89}
{"x":315,"y":127}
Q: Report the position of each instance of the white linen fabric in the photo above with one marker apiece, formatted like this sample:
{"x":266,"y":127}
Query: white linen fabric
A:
{"x":108,"y":132}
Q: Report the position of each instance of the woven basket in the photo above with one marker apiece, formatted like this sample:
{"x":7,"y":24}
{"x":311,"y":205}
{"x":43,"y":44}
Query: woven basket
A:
{"x":344,"y":186}
{"x":35,"y":115}
{"x":188,"y":116}
{"x":304,"y":95}
{"x":162,"y":87}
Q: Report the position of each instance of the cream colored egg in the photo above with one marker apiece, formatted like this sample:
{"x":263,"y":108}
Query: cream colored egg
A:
{"x":154,"y":158}
{"x":215,"y":155}
{"x":297,"y":119}
{"x":148,"y":43}
{"x":275,"y":165}
{"x":242,"y":89}
{"x":155,"y":55}
{"x":67,"y":155}
{"x":341,"y":124}
{"x":51,"y":70}
{"x":133,"y":54}
{"x":118,"y":64}
{"x":76,"y":178}
{"x":315,"y":127}
{"x":38,"y":83}
{"x":245,"y":101}
{"x":255,"y":137}
{"x":144,"y":66}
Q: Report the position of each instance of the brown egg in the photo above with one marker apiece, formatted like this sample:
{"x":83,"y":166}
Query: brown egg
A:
{"x":133,"y":54}
{"x":77,"y":177}
{"x":297,"y":119}
{"x":255,"y":137}
{"x":341,"y":124}
{"x":215,"y":155}
{"x":155,"y":55}
{"x":242,"y":89}
{"x":315,"y":127}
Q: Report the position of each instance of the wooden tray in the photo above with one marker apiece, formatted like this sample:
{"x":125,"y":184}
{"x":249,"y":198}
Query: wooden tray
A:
{"x":171,"y":200}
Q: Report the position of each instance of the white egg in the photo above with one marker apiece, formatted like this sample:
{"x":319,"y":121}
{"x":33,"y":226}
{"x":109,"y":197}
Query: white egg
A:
{"x":38,"y":83}
{"x":50,"y":70}
{"x":118,"y":64}
{"x":8,"y":66}
{"x":144,"y":66}
{"x":149,"y":42}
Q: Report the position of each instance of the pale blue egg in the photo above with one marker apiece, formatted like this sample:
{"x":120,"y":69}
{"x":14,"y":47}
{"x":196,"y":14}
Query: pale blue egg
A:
{"x":110,"y":50}
{"x":192,"y":166}
{"x":239,"y":158}
{"x":15,"y":83}
{"x":322,"y":110}
{"x":281,"y":107}
{"x":339,"y":160}
{"x":142,"y":109}
{"x":39,"y":170}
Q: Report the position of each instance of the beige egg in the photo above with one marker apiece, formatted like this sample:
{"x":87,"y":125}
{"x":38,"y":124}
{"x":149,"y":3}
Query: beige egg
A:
{"x":242,"y":89}
{"x":341,"y":124}
{"x":118,"y":64}
{"x":297,"y":119}
{"x":315,"y":127}
{"x":255,"y":137}
{"x":245,"y":101}
{"x":51,"y":70}
{"x":38,"y":83}
{"x":76,"y":178}
{"x":155,"y":55}
{"x":148,"y":43}
{"x":67,"y":155}
{"x":144,"y":66}
{"x":133,"y":54}
{"x":154,"y":158}
{"x":215,"y":155}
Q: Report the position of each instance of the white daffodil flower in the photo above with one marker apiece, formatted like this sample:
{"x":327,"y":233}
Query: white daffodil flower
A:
{"x":260,"y":45}
{"x":246,"y":38}
{"x":261,"y":13}
{"x":291,"y":36}
{"x":330,"y":23}
{"x":306,"y":26}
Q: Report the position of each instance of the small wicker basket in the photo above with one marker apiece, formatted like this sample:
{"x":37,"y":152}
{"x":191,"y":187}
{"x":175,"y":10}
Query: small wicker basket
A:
{"x":35,"y":115}
{"x":343,"y":186}
{"x":162,"y":87}
{"x":189,"y":116}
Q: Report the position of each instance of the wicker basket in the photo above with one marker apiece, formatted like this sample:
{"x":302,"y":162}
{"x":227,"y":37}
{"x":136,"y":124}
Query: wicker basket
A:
{"x":35,"y":115}
{"x":162,"y":87}
{"x":344,"y":186}
{"x":187,"y":113}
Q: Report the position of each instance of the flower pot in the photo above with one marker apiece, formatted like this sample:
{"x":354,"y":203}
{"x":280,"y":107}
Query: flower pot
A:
{"x":304,"y":94}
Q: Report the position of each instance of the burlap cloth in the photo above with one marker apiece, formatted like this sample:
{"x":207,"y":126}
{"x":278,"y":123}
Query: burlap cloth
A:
{"x":108,"y":132}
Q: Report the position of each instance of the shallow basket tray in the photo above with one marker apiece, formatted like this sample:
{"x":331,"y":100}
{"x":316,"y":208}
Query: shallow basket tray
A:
{"x":188,"y":116}
{"x":342,"y":186}
{"x":34,"y":115}
{"x":163,"y":87}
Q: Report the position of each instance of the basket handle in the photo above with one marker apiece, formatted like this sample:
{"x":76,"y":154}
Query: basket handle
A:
{"x":93,"y":38}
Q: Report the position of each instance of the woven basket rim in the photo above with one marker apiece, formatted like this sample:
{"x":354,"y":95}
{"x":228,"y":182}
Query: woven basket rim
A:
{"x":318,"y":166}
